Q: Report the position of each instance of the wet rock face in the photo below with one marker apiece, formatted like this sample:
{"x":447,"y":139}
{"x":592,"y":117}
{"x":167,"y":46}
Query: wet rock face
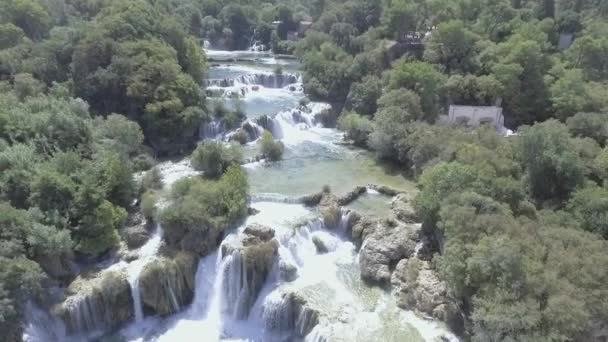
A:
{"x":201,"y":239}
{"x":167,"y":284}
{"x":417,"y":286}
{"x":136,"y":236}
{"x":96,"y":302}
{"x":389,"y":242}
{"x":330,"y":211}
{"x":402,"y":209}
{"x":136,"y":233}
{"x":291,"y":312}
{"x":352,"y":195}
{"x":249,"y":258}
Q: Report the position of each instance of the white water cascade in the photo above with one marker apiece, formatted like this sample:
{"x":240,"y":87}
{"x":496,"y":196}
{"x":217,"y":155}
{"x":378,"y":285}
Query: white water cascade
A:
{"x":145,"y":254}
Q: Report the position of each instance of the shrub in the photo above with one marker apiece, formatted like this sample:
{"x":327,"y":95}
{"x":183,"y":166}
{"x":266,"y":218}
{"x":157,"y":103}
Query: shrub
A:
{"x":271,"y":149}
{"x":148,"y":204}
{"x":356,"y":128}
{"x":214,"y":158}
{"x":152,"y":180}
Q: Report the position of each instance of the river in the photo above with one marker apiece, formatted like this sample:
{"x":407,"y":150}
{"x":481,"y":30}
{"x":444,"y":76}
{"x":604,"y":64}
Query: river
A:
{"x":330,"y":282}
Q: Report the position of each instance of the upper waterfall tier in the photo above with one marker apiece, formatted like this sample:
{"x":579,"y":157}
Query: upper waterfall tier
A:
{"x":267,"y":80}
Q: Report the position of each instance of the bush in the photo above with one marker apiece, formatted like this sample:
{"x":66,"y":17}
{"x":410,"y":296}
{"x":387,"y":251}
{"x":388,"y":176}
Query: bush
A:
{"x":214,"y":158}
{"x":148,"y":204}
{"x":356,"y":127}
{"x":205,"y":207}
{"x":240,"y":136}
{"x":271,"y":149}
{"x":152,"y":180}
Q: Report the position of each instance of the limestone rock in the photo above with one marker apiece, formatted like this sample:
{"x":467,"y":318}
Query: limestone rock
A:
{"x":290,"y":312}
{"x":136,"y":236}
{"x":167,"y":284}
{"x":385,"y":190}
{"x":352,"y":195}
{"x":319,"y":244}
{"x":390,"y":242}
{"x":330,"y":210}
{"x":287,"y":271}
{"x":402,"y":209}
{"x":417,"y":286}
{"x":265,"y":233}
{"x":100,"y":301}
{"x":362,"y":227}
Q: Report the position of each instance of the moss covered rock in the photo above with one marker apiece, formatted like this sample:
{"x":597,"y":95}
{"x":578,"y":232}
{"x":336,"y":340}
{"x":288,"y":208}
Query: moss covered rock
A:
{"x":100,"y":301}
{"x":167,"y":284}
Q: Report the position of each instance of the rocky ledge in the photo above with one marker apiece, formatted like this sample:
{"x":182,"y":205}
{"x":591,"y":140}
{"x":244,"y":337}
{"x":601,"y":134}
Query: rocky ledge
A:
{"x":167,"y":284}
{"x":96,"y":302}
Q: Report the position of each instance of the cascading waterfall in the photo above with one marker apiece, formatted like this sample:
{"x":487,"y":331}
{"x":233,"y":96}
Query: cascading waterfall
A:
{"x":84,"y":315}
{"x":145,"y":254}
{"x":40,"y":326}
{"x":266,"y":80}
{"x":212,"y":130}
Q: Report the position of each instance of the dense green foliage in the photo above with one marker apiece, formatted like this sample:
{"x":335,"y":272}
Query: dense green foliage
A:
{"x":518,"y":210}
{"x":271,"y":149}
{"x":65,"y":187}
{"x":203,"y":205}
{"x":460,"y":52}
{"x":66,"y":157}
{"x":214,"y":158}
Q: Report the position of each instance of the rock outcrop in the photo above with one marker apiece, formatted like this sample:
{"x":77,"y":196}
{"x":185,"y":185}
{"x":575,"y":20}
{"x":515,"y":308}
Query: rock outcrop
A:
{"x":94,"y":302}
{"x":403,"y":210}
{"x":167,"y":283}
{"x":416,"y":285}
{"x":352,"y":196}
{"x":290,"y":312}
{"x":248,"y":259}
{"x":136,"y":233}
{"x":201,"y":240}
{"x":386,"y":245}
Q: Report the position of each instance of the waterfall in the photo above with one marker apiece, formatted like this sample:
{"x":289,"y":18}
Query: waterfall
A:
{"x":264,"y":79}
{"x":145,"y":254}
{"x":268,"y":80}
{"x":42,"y":327}
{"x":212,"y":130}
{"x":84,"y":315}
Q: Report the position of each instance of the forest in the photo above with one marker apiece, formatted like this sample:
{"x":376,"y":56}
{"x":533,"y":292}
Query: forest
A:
{"x":93,"y":91}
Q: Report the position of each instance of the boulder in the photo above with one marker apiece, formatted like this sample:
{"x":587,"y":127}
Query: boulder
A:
{"x":136,"y":236}
{"x":385,"y":190}
{"x":312,"y":199}
{"x":265,"y":233}
{"x":389,"y":242}
{"x":330,"y":210}
{"x":362,"y":227}
{"x":265,"y":122}
{"x":167,"y":283}
{"x":319,"y":244}
{"x":352,"y":195}
{"x":287,"y":271}
{"x":417,"y":286}
{"x":96,"y":302}
{"x":290,"y":312}
{"x":248,"y":259}
{"x":402,"y":209}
